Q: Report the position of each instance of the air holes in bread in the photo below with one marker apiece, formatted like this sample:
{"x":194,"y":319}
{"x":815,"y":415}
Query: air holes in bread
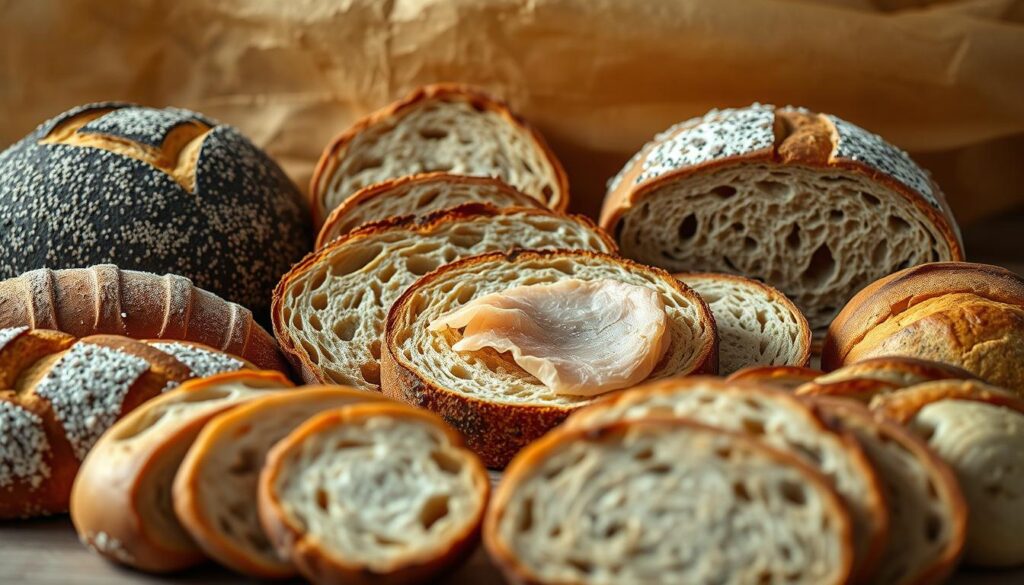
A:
{"x":370,"y":373}
{"x":311,"y":351}
{"x":446,"y":462}
{"x":822,"y":267}
{"x":773,"y":188}
{"x":345,"y":329}
{"x":365,"y":164}
{"x":793,"y":493}
{"x":870,"y":199}
{"x":428,"y":198}
{"x":434,"y":509}
{"x":898,"y":225}
{"x":420,"y":265}
{"x":433,"y":133}
{"x":724,"y":191}
{"x":357,"y":259}
{"x":688,"y":227}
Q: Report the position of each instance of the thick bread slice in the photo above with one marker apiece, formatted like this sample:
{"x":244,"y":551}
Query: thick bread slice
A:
{"x":757,"y":325}
{"x":444,"y":127}
{"x":665,"y":501}
{"x":863,"y":380}
{"x":329,"y":310}
{"x":928,"y":514}
{"x":215,"y":489}
{"x":778,"y":419}
{"x":417,"y":195}
{"x":373,"y":493}
{"x":121,"y":500}
{"x":785,"y":377}
{"x":809,"y":203}
{"x":497,"y":405}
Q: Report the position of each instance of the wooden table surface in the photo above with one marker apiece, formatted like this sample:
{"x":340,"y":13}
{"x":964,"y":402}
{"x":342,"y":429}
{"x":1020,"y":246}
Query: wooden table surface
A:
{"x":47,"y":552}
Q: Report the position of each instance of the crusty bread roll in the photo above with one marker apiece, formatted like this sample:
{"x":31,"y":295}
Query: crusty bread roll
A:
{"x":215,"y":489}
{"x":485,"y":395}
{"x":977,"y":430}
{"x":809,"y":203}
{"x":57,"y":396}
{"x":785,"y":377}
{"x":780,"y":420}
{"x":665,"y":501}
{"x":864,"y":380}
{"x":121,"y":500}
{"x":417,"y":195}
{"x":329,"y":310}
{"x":105,"y":299}
{"x":444,"y":127}
{"x":373,"y":493}
{"x":757,"y":325}
{"x":965,"y":314}
{"x":928,"y":515}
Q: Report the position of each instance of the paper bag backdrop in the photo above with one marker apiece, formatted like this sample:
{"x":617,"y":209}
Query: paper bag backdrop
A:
{"x":943,"y":79}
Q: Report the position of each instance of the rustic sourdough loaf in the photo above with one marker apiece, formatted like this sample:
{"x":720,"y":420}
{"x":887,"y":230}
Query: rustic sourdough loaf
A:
{"x":485,"y":395}
{"x":665,"y":501}
{"x":121,"y":500}
{"x":809,"y":203}
{"x":157,"y":190}
{"x":450,"y":128}
{"x":964,"y":314}
{"x":215,"y":489}
{"x":757,"y":325}
{"x":417,"y":195}
{"x":329,"y":310}
{"x":140,"y":305}
{"x":779,"y":420}
{"x":373,"y":493}
{"x":785,"y":377}
{"x":863,"y":380}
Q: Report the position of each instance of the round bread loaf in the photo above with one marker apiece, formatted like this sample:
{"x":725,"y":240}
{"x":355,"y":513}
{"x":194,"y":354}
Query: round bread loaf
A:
{"x":159,"y":190}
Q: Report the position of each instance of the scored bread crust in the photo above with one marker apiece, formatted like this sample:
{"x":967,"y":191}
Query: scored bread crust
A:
{"x":800,"y":352}
{"x":223,"y":438}
{"x":393,"y":277}
{"x":314,"y":560}
{"x":346,"y":216}
{"x":903,"y":405}
{"x":120,"y":502}
{"x":530,"y":460}
{"x":337,"y":149}
{"x":496,"y":428}
{"x":786,"y":377}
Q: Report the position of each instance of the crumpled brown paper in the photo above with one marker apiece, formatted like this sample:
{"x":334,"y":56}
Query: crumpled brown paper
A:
{"x":944,"y":79}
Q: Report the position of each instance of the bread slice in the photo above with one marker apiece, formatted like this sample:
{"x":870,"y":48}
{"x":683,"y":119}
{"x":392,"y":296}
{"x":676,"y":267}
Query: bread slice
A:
{"x":215,"y":488}
{"x":806,"y":202}
{"x":417,"y":195}
{"x":757,"y":325}
{"x":444,"y":127}
{"x":498,"y":406}
{"x":781,"y":421}
{"x":373,"y":493}
{"x":121,"y":500}
{"x":785,"y":377}
{"x":329,"y":310}
{"x":864,"y":380}
{"x":665,"y":501}
{"x":928,"y":515}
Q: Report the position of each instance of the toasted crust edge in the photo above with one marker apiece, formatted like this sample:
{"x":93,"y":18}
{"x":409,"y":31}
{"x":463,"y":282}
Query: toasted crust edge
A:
{"x":903,"y":405}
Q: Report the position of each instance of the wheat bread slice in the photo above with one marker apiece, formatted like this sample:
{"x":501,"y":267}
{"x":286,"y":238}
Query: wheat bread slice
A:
{"x":417,"y":195}
{"x":445,"y":127}
{"x":329,"y":310}
{"x":498,"y":406}
{"x":780,"y":420}
{"x":373,"y":493}
{"x":215,"y":489}
{"x":785,"y":377}
{"x":757,"y":324}
{"x":814,"y":205}
{"x":657,"y":500}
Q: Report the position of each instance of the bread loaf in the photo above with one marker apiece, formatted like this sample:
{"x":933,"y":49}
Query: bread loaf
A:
{"x":417,"y":195}
{"x":785,"y":377}
{"x":864,"y":380}
{"x":329,"y":310}
{"x":450,"y":128}
{"x":140,"y":305}
{"x":121,"y":500}
{"x":497,"y":405}
{"x":373,"y":493}
{"x":156,"y":190}
{"x":811,"y":204}
{"x":665,"y":501}
{"x":215,"y":489}
{"x":757,"y":325}
{"x":964,"y":314}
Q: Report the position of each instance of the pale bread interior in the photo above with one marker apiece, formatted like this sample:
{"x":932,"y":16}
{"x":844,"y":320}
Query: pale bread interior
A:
{"x":381,"y":492}
{"x":818,"y":236}
{"x":672,"y":505}
{"x":486,"y":376}
{"x":450,"y":136}
{"x":753,"y":328}
{"x":335,"y":310}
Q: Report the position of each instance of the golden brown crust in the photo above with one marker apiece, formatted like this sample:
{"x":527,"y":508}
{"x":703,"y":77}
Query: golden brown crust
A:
{"x":786,"y":377}
{"x":318,"y":564}
{"x":865,"y":379}
{"x":442,"y":91}
{"x":497,"y":431}
{"x":903,"y":406}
